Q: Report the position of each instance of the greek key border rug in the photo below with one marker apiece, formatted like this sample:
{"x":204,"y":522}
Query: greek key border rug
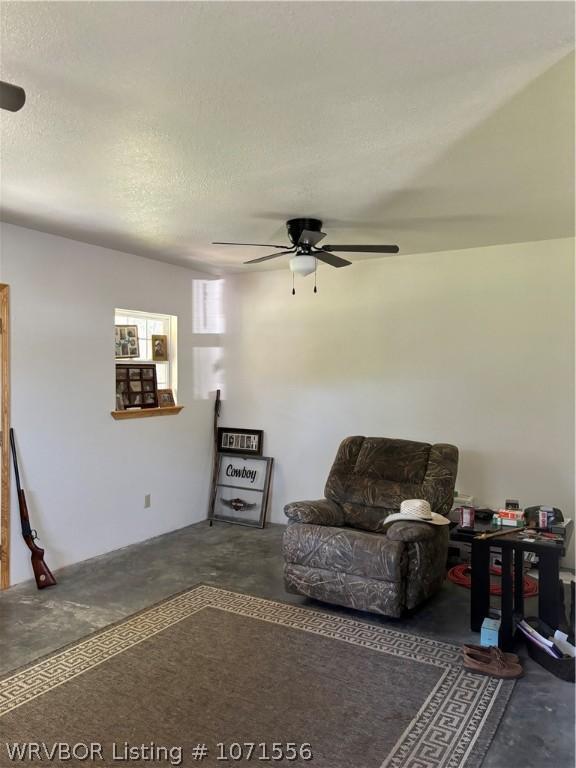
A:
{"x":452,"y":729}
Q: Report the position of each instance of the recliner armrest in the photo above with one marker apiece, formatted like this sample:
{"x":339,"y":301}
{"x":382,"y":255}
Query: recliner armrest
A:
{"x":408,"y":531}
{"x":320,"y":512}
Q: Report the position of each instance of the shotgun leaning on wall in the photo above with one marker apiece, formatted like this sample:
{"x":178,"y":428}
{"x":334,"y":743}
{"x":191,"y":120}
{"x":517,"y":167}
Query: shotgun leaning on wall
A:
{"x":42,"y":573}
{"x":217,"y":405}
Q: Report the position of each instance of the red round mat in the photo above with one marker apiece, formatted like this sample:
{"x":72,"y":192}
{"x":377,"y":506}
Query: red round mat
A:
{"x":461,"y":575}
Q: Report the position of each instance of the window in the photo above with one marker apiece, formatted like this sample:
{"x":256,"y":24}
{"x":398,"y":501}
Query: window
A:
{"x":208,"y":306}
{"x":207,"y":327}
{"x":148,"y":325}
{"x":208,"y":371}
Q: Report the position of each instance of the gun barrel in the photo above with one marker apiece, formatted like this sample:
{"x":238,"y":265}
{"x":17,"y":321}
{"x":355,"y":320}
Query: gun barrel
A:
{"x":24,"y":519}
{"x":15,"y":460}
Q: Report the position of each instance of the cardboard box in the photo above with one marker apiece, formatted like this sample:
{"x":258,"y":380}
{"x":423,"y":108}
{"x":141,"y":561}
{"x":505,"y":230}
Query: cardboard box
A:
{"x":510,"y":517}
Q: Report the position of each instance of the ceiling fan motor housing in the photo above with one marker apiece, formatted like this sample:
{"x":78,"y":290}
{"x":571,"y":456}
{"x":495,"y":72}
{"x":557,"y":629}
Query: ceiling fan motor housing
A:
{"x":305,"y":234}
{"x":295,"y":228}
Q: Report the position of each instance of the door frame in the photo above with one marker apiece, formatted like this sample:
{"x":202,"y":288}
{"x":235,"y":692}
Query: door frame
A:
{"x":5,"y":442}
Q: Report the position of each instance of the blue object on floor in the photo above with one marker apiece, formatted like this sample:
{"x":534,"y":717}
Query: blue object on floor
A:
{"x":489,"y":632}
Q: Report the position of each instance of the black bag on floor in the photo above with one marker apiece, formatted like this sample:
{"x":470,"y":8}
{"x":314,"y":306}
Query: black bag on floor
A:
{"x":563,"y":668}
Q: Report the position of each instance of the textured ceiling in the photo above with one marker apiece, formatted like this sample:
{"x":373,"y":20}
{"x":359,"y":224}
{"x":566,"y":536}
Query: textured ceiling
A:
{"x":158,"y":127}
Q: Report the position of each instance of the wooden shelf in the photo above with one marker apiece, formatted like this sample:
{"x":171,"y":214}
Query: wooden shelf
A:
{"x":168,"y":410}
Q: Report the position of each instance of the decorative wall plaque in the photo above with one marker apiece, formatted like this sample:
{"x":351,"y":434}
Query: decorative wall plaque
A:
{"x":232,"y":440}
{"x":242,"y":489}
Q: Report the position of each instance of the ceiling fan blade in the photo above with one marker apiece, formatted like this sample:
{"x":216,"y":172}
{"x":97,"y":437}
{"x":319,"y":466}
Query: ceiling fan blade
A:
{"x":328,"y":258}
{"x":310,"y":238}
{"x":271,"y":256}
{"x":12,"y":97}
{"x":253,"y":245}
{"x":362,"y":248}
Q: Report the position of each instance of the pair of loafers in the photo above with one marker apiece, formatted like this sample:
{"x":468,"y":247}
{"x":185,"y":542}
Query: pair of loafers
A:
{"x":491,"y":661}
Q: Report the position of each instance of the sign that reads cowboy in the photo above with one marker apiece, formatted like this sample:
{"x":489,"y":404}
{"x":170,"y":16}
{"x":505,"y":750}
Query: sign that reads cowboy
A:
{"x":241,"y":494}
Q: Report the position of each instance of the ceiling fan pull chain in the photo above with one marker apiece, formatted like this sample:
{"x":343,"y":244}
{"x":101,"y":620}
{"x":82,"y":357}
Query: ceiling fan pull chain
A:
{"x":315,"y":273}
{"x":293,"y":289}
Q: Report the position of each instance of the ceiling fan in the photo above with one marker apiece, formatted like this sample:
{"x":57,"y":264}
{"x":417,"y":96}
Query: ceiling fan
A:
{"x":12,"y":97}
{"x":305,"y":234}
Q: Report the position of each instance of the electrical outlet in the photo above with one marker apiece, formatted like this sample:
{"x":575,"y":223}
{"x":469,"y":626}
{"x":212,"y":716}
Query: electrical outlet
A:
{"x":147,"y":501}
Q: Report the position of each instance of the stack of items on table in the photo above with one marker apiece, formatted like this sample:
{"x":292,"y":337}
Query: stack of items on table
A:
{"x":540,"y":518}
{"x":539,"y":522}
{"x":509,"y":517}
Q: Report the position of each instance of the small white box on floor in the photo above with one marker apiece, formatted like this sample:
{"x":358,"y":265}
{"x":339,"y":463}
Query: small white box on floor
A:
{"x":489,"y":632}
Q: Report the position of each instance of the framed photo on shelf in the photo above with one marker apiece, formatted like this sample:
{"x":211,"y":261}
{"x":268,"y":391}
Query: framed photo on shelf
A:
{"x":242,"y":489}
{"x":165,"y":398}
{"x":126,"y":341}
{"x":136,"y":386}
{"x":159,"y":348}
{"x":231,"y":440}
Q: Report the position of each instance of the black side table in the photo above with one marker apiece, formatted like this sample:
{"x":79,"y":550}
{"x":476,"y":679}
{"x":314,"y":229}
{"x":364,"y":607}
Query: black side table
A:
{"x":512,"y":547}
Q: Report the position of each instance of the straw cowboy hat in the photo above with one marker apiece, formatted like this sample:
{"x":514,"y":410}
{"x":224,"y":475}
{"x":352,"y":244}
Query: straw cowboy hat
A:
{"x":419,"y":511}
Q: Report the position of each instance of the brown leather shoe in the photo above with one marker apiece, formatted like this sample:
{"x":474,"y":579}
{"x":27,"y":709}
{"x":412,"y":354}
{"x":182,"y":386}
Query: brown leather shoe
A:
{"x":487,"y":651}
{"x":496,"y":666}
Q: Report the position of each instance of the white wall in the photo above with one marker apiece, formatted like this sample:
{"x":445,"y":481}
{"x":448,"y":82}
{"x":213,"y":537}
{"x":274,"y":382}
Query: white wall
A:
{"x":472,"y":347}
{"x":86,"y":475}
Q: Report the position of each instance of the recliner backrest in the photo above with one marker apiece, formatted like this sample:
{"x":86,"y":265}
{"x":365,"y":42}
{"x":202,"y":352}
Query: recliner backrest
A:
{"x":371,"y":476}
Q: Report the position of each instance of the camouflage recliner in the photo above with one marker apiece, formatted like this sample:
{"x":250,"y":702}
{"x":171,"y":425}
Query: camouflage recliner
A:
{"x":337,"y":549}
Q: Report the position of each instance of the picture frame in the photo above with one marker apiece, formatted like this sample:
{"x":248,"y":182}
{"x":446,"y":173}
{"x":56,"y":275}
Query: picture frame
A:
{"x":242,"y":489}
{"x":159,"y":348}
{"x":165,"y":398}
{"x":240,"y":441}
{"x":133,"y":388}
{"x":126,"y":343}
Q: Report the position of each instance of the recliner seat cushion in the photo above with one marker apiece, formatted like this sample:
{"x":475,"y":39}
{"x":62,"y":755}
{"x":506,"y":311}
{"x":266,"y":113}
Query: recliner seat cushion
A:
{"x":366,"y":518}
{"x":345,"y":550}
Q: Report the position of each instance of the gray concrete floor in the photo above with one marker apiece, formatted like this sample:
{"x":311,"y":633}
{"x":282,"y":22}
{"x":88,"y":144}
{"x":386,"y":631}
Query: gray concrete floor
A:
{"x":537,"y":730}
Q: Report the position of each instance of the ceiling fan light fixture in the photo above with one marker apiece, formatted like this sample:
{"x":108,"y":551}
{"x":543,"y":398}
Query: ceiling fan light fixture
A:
{"x":303,"y":264}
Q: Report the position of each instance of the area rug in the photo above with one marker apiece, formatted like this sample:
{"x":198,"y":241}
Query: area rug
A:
{"x":215,"y":678}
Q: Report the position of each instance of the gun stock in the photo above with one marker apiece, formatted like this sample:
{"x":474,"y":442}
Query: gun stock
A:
{"x":42,"y":574}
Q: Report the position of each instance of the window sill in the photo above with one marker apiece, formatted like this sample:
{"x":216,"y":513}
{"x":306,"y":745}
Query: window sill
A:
{"x":168,"y":410}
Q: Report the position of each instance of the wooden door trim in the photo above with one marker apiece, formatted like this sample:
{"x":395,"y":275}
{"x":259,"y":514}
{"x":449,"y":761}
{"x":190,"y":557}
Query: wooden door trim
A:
{"x":5,"y":445}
